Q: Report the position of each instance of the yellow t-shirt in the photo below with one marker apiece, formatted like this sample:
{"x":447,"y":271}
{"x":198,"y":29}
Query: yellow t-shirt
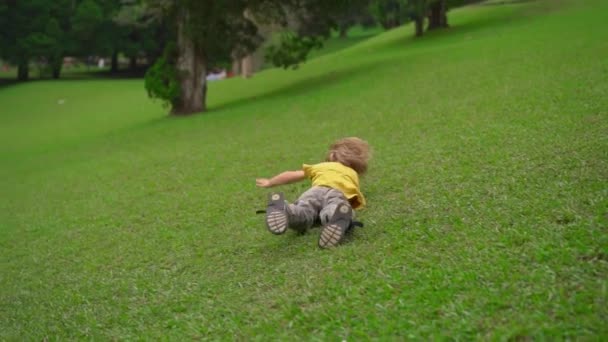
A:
{"x":339,"y":177}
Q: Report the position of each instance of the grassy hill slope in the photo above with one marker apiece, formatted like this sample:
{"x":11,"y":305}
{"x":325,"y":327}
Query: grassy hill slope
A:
{"x":487,"y":194}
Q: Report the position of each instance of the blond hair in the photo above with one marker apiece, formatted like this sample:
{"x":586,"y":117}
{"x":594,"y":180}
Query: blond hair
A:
{"x":352,"y":152}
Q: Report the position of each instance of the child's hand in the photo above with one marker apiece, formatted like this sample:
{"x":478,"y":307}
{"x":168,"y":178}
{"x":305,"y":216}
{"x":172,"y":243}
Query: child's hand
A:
{"x":263,"y":183}
{"x":280,"y":179}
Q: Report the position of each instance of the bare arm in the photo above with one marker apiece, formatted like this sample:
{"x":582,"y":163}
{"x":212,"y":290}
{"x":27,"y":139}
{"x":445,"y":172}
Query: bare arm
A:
{"x":282,"y":178}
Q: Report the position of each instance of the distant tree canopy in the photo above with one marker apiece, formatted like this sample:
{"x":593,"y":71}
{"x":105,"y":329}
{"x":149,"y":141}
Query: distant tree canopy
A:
{"x":45,"y":31}
{"x":356,"y":13}
{"x":30,"y":30}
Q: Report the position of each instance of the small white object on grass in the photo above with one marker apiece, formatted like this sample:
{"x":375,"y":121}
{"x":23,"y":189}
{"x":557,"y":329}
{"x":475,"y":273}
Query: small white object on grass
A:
{"x":60,"y":101}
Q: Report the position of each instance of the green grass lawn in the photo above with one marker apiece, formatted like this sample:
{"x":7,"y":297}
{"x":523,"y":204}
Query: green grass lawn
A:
{"x":487,"y":194}
{"x":336,"y":43}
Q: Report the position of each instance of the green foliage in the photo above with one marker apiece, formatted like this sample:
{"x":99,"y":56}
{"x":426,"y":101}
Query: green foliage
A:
{"x":44,"y":32}
{"x":87,"y":20}
{"x":55,"y":51}
{"x":161,"y":82}
{"x":139,"y":31}
{"x":315,"y":20}
{"x":357,"y":13}
{"x":292,"y":50}
{"x":218,"y":29}
{"x":390,"y":13}
{"x":22,"y":30}
{"x":86,"y":27}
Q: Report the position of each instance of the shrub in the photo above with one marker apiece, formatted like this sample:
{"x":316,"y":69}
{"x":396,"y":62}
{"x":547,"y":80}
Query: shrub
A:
{"x":161,"y":81}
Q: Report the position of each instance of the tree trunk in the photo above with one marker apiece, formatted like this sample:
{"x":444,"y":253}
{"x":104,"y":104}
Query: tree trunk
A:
{"x":133,"y":63}
{"x":247,"y":66}
{"x":192,"y":70}
{"x":236,"y":66}
{"x":343,"y":31}
{"x":434,"y":16}
{"x":114,"y":64}
{"x":419,"y":23}
{"x":23,"y":71}
{"x":437,"y":15}
{"x":386,"y":24}
{"x":444,"y":14}
{"x":56,"y":71}
{"x":56,"y":63}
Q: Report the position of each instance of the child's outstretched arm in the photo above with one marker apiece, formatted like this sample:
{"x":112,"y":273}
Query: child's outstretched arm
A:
{"x":282,"y":178}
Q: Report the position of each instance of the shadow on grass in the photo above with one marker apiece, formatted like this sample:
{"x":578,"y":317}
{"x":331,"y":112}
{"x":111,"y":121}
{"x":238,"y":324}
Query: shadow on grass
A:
{"x":7,"y":82}
{"x":291,"y":88}
{"x":304,"y":86}
{"x":504,"y":2}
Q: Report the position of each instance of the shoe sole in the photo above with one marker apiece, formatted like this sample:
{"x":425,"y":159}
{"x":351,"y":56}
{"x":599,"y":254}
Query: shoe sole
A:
{"x":276,"y":218}
{"x":335,"y":230}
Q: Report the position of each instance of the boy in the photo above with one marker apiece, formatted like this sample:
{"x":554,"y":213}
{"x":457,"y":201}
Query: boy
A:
{"x":331,"y":199}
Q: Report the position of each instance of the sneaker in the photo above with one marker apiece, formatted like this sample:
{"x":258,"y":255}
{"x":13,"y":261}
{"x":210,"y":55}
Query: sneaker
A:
{"x":276,"y":216}
{"x":335,"y":230}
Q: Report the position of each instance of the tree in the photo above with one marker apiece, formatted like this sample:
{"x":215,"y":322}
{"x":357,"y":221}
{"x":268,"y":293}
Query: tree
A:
{"x":95,"y":31}
{"x":437,"y":11}
{"x":417,"y":10}
{"x":42,"y":31}
{"x":49,"y":47}
{"x":34,"y":31}
{"x":86,"y":27}
{"x":58,"y":29}
{"x":138,"y":33}
{"x":110,"y":37}
{"x":437,"y":15}
{"x":357,"y":13}
{"x":208,"y":32}
{"x":23,"y":33}
{"x":389,"y":13}
{"x":394,"y":12}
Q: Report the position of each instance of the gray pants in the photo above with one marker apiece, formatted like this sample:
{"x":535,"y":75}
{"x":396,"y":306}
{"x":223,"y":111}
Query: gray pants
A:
{"x":316,"y":205}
